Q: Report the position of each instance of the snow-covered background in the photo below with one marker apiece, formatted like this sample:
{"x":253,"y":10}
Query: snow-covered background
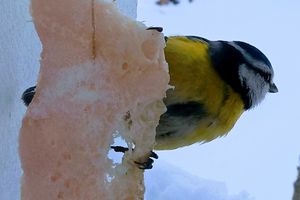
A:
{"x":260,"y":155}
{"x":256,"y":161}
{"x":166,"y":181}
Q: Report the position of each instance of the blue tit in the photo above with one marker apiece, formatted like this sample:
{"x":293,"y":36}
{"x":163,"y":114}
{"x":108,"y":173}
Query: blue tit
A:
{"x":214,"y":83}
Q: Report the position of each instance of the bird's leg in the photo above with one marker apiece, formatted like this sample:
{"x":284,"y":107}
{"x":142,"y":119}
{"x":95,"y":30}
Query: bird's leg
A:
{"x":142,"y":165}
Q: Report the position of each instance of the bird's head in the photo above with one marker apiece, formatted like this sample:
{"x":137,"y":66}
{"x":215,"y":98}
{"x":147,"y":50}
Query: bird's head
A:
{"x":245,"y":68}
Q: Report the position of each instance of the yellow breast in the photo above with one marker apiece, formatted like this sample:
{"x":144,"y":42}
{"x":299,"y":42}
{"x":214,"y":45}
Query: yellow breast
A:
{"x":196,"y":80}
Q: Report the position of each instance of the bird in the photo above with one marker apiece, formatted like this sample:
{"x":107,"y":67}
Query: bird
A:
{"x":214,"y":83}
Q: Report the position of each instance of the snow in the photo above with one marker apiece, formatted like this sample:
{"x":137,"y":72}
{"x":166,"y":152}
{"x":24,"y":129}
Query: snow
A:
{"x":166,"y":181}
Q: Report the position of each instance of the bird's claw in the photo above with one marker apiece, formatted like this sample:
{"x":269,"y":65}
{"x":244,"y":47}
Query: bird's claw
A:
{"x":145,"y":165}
{"x":159,"y":29}
{"x":148,"y":164}
{"x":153,"y":155}
{"x":119,"y":149}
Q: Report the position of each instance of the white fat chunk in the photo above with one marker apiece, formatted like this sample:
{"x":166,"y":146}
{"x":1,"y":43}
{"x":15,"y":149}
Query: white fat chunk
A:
{"x":100,"y":72}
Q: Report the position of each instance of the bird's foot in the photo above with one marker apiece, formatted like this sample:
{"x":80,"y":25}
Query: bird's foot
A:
{"x":148,"y":164}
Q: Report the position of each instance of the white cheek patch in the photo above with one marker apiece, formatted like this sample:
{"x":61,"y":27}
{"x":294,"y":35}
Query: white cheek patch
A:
{"x":255,"y":83}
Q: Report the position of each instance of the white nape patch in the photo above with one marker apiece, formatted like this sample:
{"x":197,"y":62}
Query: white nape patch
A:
{"x":258,"y":87}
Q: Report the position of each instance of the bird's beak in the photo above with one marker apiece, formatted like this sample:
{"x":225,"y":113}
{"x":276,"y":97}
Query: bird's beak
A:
{"x":273,"y":88}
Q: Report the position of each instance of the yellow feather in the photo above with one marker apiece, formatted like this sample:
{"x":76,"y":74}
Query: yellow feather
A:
{"x":195,"y":79}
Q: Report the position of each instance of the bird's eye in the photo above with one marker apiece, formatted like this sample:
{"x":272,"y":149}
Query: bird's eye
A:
{"x":267,"y":77}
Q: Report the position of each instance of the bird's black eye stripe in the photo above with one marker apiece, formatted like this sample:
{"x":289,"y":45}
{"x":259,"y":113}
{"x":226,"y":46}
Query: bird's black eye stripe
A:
{"x":254,"y":52}
{"x":265,"y":75}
